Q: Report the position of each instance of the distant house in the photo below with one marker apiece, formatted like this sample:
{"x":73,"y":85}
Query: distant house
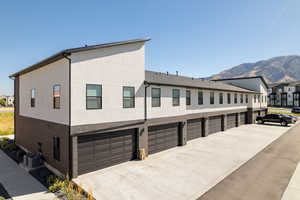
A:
{"x":92,"y":107}
{"x":9,"y":100}
{"x":284,"y":94}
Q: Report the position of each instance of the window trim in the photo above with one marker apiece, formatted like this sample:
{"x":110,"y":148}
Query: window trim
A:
{"x":212,"y":98}
{"x":221,"y":98}
{"x":174,"y":89}
{"x":54,"y":105}
{"x":156,"y":97}
{"x":86,"y":97}
{"x":32,"y":99}
{"x":228,"y":98}
{"x":241,"y":98}
{"x":188,"y":99}
{"x":235,"y":98}
{"x":133,"y":97}
{"x":200,"y":102}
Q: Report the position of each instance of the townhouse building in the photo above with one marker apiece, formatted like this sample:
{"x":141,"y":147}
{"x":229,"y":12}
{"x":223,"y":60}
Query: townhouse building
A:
{"x":284,"y":94}
{"x":92,"y":107}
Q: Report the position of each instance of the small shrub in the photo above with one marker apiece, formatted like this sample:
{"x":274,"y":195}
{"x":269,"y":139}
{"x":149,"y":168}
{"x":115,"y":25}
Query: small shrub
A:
{"x":56,"y":184}
{"x":10,"y":147}
{"x":4,"y":142}
{"x":68,"y":188}
{"x":90,"y":195}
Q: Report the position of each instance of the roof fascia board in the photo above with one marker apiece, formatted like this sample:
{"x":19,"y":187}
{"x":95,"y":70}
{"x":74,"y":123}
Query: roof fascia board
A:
{"x":63,"y":53}
{"x":195,"y":87}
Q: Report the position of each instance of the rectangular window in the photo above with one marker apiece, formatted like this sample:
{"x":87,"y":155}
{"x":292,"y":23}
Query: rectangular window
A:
{"x":128,"y":97}
{"x":228,"y":98}
{"x":255,"y":98}
{"x":220,"y":98}
{"x":235,"y":98}
{"x":200,"y":97}
{"x":176,"y":97}
{"x":32,"y":98}
{"x":93,"y":96}
{"x":56,"y":148}
{"x":258,"y":98}
{"x":246,"y":98}
{"x":188,"y":97}
{"x":212,"y":98}
{"x":155,"y":93}
{"x":266,"y":99}
{"x":56,"y":96}
{"x":242,"y":98}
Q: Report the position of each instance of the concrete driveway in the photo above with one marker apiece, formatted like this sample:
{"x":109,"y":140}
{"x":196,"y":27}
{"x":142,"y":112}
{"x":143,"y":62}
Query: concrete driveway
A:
{"x":183,"y":172}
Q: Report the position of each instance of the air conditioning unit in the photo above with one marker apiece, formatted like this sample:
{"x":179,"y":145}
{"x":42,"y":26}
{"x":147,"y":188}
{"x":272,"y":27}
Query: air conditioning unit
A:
{"x":32,"y":160}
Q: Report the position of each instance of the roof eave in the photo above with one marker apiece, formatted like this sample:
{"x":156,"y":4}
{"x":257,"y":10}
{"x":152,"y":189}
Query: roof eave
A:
{"x":253,"y":77}
{"x":62,"y":54}
{"x":197,"y":87}
{"x":46,"y":61}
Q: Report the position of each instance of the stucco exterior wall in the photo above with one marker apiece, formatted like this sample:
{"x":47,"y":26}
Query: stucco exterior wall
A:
{"x":43,"y":80}
{"x":113,"y":68}
{"x":167,"y":109}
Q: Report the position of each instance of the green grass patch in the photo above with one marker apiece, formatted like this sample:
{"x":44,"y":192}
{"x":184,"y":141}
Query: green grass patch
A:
{"x":6,"y":123}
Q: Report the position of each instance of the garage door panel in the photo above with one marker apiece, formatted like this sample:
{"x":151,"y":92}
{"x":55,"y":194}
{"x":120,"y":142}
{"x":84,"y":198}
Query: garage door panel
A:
{"x":86,"y":159}
{"x":106,"y":149}
{"x":162,"y":137}
{"x":215,"y":124}
{"x":231,"y":121}
{"x":194,"y":129}
{"x":243,"y":118}
{"x":86,"y":152}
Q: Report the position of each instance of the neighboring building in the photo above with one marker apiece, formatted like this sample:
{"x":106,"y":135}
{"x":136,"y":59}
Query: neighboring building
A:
{"x":9,"y":100}
{"x":93,"y":107}
{"x":284,"y":94}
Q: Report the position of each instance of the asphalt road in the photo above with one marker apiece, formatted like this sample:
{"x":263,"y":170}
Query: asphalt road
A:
{"x":265,"y":176}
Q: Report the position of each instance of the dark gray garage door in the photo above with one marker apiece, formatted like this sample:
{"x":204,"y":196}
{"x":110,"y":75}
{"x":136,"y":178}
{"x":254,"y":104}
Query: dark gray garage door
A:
{"x":163,"y":137}
{"x":243,"y":118}
{"x":231,"y":121}
{"x":215,"y":124}
{"x":104,"y":150}
{"x":194,"y":128}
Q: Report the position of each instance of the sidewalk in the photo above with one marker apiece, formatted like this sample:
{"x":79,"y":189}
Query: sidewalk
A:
{"x":293,"y":190}
{"x":266,"y":176}
{"x":8,"y":136}
{"x":19,"y":184}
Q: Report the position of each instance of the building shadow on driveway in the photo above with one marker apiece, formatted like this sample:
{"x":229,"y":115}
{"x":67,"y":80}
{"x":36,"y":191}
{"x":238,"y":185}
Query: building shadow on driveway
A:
{"x":18,"y":183}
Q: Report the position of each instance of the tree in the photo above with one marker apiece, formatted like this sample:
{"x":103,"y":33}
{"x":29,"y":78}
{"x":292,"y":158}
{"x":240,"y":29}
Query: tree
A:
{"x":2,"y":102}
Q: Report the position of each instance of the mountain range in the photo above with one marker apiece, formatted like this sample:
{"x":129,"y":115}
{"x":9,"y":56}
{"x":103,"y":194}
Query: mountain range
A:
{"x":277,"y":69}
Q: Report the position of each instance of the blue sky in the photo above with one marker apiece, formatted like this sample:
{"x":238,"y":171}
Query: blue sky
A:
{"x":197,"y":38}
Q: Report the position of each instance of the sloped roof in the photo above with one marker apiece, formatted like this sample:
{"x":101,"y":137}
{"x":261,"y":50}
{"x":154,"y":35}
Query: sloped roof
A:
{"x":250,"y":77}
{"x":158,"y":78}
{"x":66,"y":52}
